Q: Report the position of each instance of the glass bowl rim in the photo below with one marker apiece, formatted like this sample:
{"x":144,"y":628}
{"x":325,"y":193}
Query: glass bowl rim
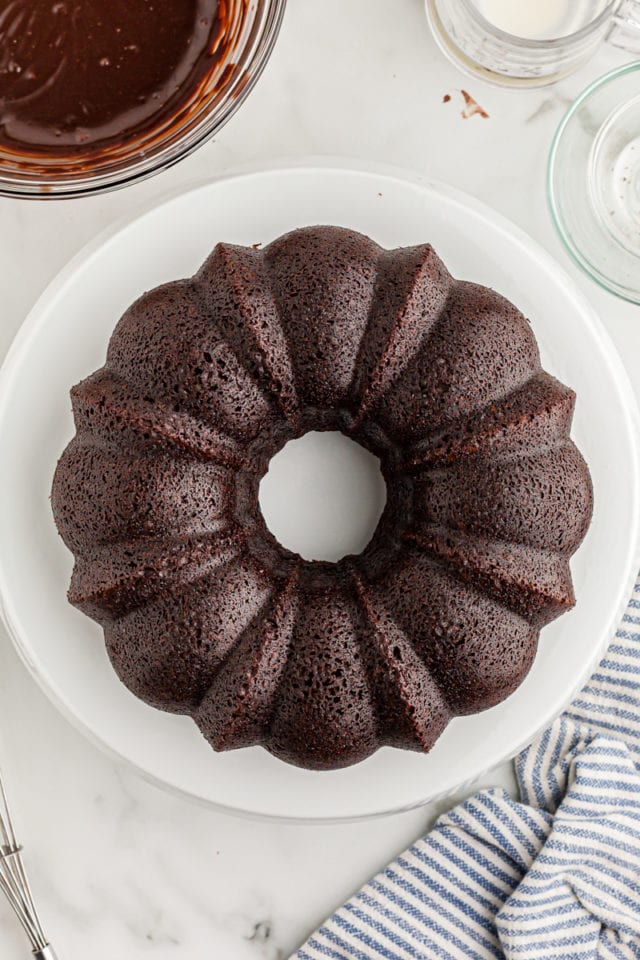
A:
{"x":598,"y":277}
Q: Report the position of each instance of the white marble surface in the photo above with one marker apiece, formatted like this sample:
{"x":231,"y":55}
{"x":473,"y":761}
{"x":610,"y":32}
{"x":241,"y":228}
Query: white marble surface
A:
{"x":120,"y":868}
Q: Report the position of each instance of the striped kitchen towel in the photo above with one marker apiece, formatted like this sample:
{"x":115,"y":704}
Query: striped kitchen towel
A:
{"x":553,"y":875}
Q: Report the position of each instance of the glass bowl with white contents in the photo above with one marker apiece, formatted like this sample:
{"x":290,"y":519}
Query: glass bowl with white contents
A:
{"x":518,"y":43}
{"x":594,"y":181}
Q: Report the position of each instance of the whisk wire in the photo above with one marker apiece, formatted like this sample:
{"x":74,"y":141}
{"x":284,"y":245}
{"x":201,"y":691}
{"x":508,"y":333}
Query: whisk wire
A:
{"x":19,"y":908}
{"x":14,"y":882}
{"x":11,"y":882}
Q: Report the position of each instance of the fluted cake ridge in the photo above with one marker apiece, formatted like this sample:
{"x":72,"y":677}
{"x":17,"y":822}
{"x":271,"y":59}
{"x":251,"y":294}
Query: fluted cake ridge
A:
{"x":204,"y":613}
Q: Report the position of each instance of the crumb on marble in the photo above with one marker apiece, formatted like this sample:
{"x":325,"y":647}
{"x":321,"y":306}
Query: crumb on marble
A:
{"x":446,"y":98}
{"x":472,"y":108}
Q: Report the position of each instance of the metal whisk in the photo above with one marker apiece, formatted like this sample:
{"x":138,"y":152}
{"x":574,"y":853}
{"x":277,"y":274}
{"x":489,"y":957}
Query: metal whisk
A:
{"x":15,"y":885}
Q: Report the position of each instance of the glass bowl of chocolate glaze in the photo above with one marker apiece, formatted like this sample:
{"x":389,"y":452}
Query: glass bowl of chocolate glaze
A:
{"x":97,"y":95}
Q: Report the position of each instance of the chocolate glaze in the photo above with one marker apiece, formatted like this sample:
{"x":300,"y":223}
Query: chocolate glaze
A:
{"x":76,"y":76}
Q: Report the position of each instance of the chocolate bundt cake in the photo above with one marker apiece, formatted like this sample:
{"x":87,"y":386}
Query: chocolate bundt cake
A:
{"x":205,"y":613}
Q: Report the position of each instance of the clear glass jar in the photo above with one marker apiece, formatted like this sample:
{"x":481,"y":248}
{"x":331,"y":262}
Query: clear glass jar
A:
{"x":482,"y":49}
{"x":254,"y":27}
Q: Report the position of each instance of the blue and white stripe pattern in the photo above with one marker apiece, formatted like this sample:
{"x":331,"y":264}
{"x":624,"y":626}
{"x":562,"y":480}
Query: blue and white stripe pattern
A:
{"x":555,"y":875}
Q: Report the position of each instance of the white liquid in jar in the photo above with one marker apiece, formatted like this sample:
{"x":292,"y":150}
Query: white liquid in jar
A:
{"x":540,"y":19}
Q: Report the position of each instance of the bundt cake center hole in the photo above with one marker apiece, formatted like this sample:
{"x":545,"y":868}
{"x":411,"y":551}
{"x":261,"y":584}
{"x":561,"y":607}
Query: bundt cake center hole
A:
{"x":323,"y":495}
